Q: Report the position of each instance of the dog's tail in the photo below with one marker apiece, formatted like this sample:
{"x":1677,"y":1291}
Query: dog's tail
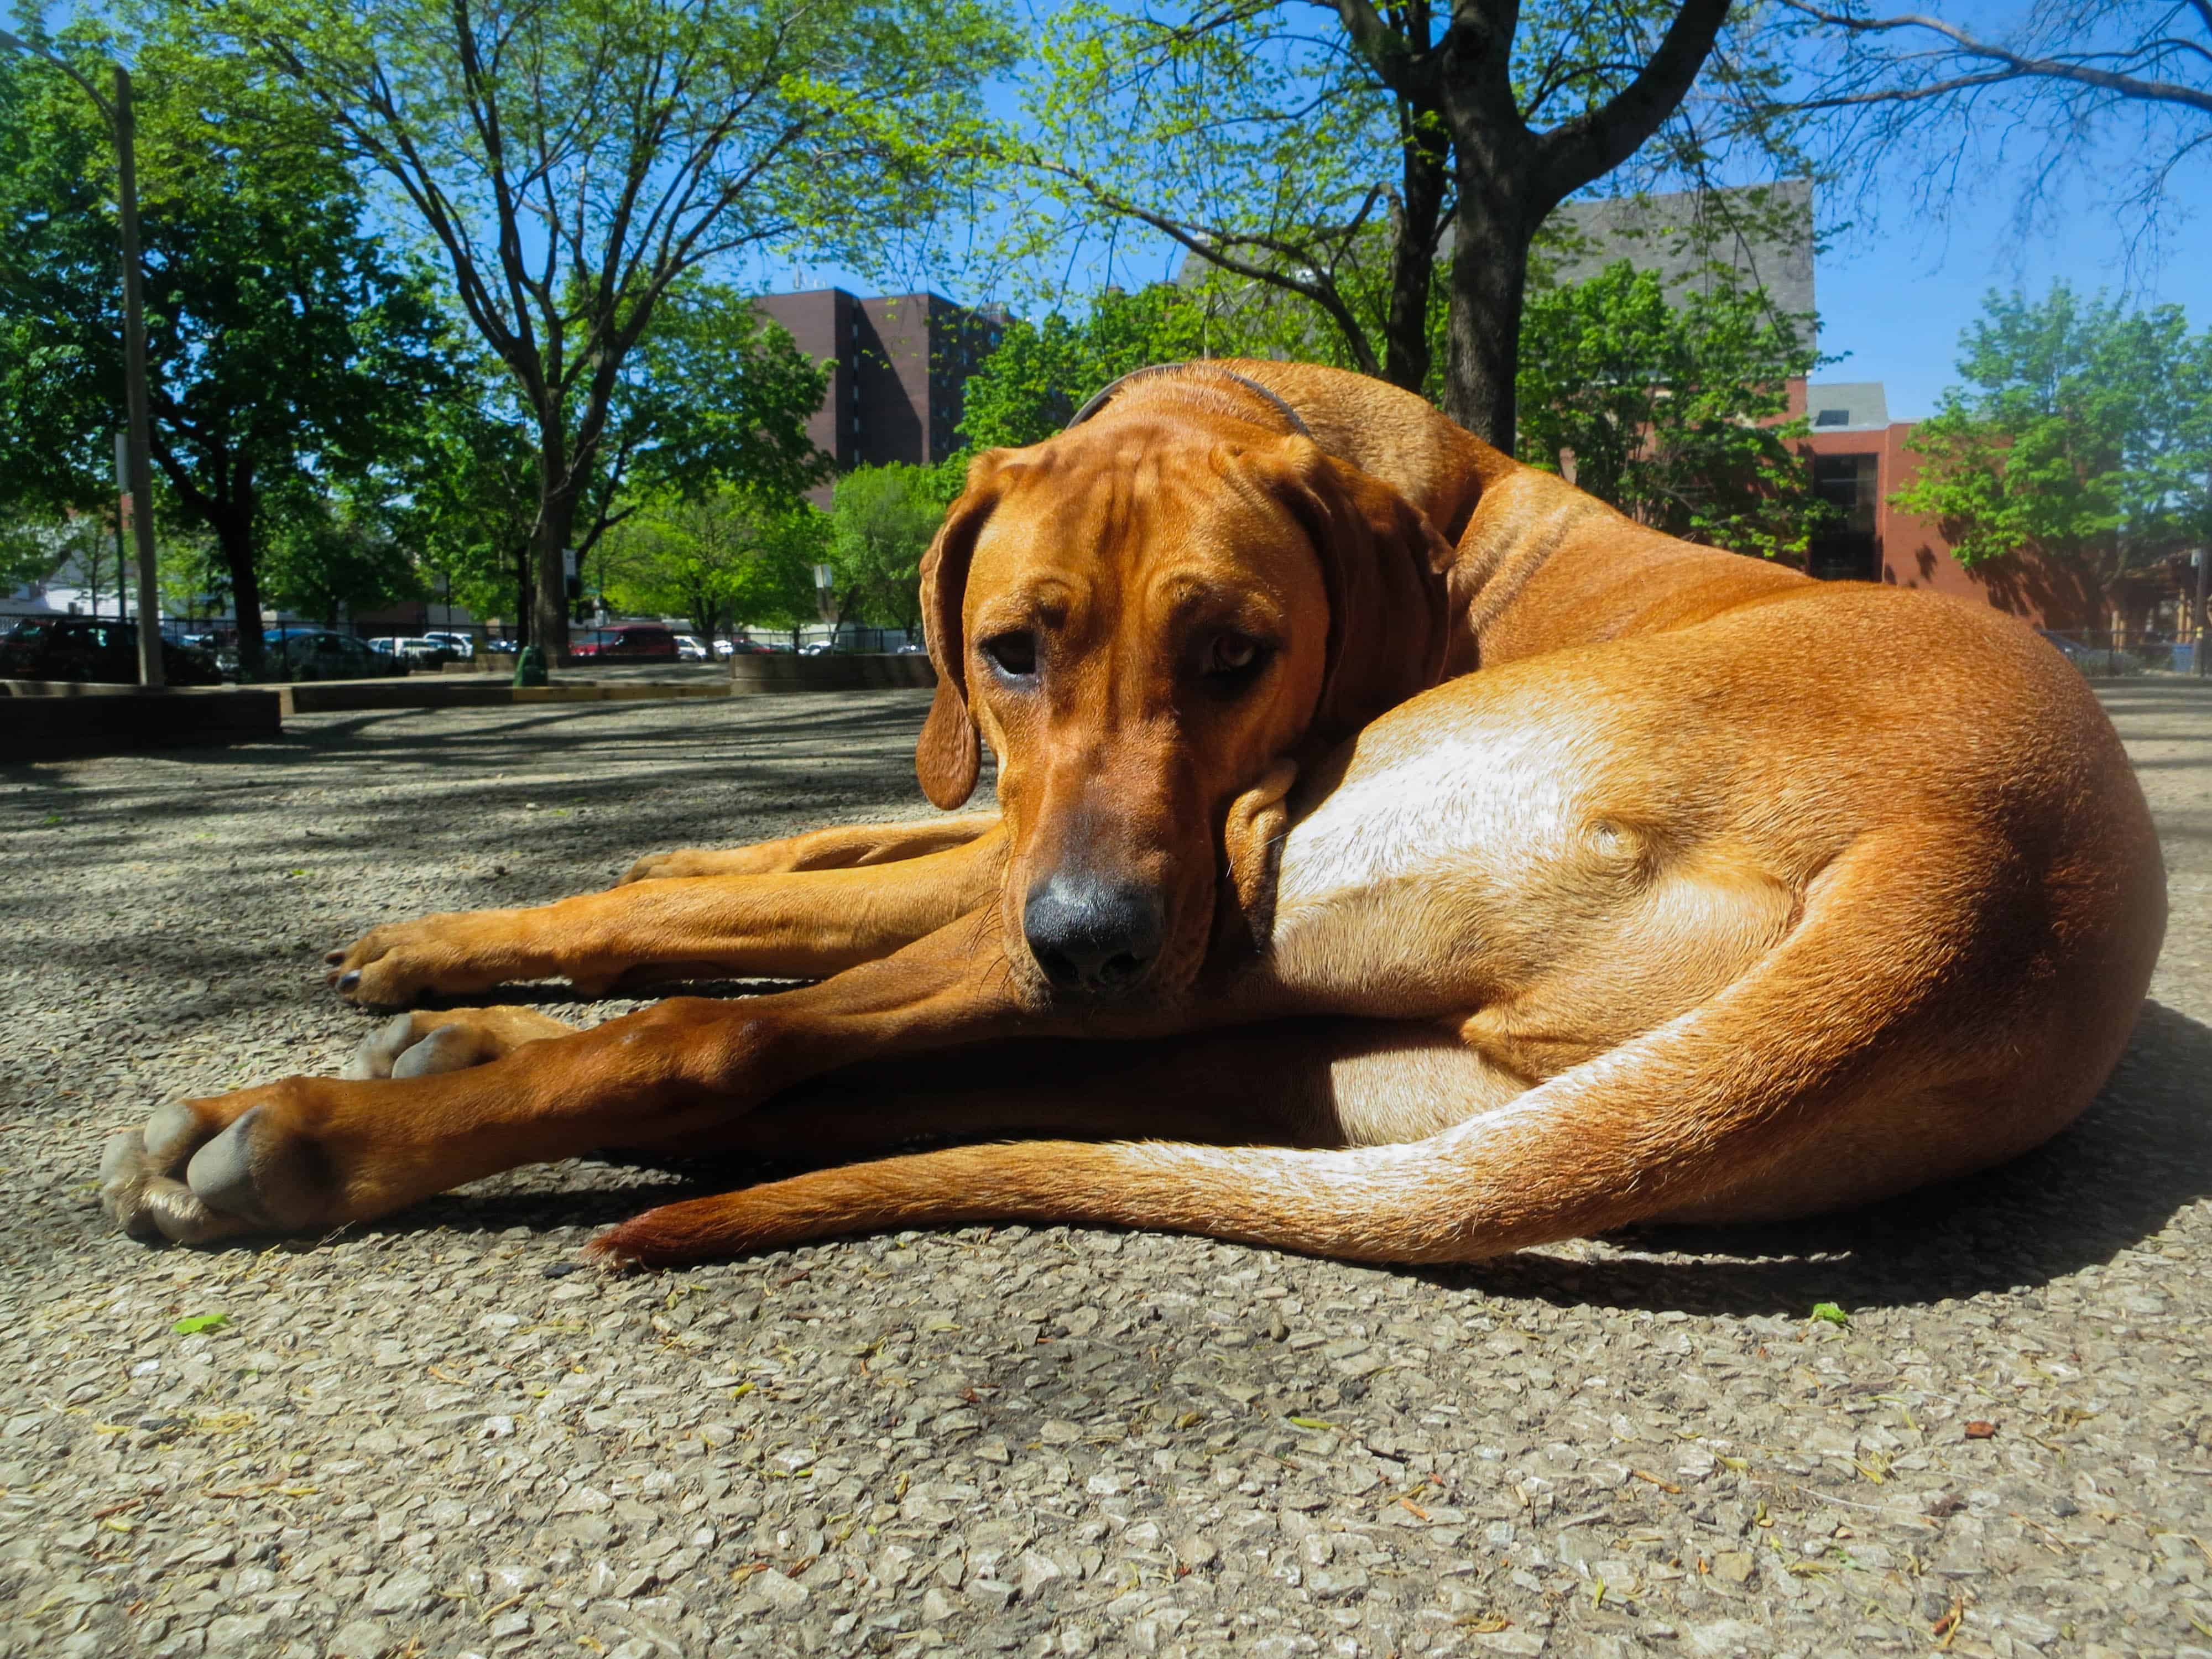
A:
{"x":1936,"y":1010}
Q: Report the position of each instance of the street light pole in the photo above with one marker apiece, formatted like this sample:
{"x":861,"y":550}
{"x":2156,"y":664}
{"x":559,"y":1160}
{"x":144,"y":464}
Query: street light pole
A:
{"x":138,"y":423}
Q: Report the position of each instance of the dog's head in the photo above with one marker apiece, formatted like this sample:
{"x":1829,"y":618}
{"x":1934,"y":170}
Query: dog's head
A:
{"x":1145,"y":617}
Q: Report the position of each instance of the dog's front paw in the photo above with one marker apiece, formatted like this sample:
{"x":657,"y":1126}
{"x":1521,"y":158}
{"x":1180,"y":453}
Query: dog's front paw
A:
{"x":309,"y":1154}
{"x":201,"y":1171}
{"x":389,"y":967}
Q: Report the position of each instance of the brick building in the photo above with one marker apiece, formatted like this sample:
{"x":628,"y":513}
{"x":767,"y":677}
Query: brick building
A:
{"x":1859,"y":461}
{"x":898,"y":367}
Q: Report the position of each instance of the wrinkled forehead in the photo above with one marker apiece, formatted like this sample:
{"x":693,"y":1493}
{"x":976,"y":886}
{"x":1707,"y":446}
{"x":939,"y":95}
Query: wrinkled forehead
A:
{"x":1120,"y":509}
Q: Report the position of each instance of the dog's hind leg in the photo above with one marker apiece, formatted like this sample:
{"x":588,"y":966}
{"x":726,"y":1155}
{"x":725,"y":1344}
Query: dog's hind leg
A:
{"x":1309,"y":1083}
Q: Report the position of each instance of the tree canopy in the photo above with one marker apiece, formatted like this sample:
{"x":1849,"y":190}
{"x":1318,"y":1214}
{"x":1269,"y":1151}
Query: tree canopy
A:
{"x":2082,"y":432}
{"x":1673,"y":413}
{"x":881,"y":521}
{"x":723,"y":555}
{"x":573,"y":164}
{"x":288,"y":350}
{"x":1359,"y":157}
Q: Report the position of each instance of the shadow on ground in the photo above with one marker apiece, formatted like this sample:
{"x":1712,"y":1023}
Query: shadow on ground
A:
{"x":2113,"y":1179}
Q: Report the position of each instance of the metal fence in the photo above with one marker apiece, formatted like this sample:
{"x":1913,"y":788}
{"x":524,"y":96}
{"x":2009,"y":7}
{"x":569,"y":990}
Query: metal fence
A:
{"x":2118,"y":656}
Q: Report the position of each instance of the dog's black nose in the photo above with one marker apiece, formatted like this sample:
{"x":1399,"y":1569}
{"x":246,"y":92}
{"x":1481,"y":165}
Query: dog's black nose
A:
{"x":1091,"y":934}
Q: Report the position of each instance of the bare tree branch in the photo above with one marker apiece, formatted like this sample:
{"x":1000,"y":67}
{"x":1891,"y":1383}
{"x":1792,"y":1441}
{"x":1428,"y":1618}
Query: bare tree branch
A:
{"x":2005,"y":64}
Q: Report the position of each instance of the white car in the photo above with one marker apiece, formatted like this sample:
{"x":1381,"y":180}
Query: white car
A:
{"x":461,"y":645}
{"x":688,"y":648}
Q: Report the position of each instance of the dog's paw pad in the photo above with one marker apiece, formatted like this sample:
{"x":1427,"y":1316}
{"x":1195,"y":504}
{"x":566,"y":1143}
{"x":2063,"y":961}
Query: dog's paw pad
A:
{"x":147,"y":1202}
{"x":377,"y":1053}
{"x":449,"y":1049}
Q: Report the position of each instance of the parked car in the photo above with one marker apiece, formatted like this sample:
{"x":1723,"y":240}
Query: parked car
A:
{"x":317,"y":653}
{"x":461,"y":645}
{"x":632,"y":643}
{"x":85,"y":648}
{"x":688,"y":648}
{"x":425,"y":652}
{"x":743,"y":648}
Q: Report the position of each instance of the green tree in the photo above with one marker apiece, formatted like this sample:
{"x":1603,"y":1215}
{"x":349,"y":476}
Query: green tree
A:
{"x":571,"y":164}
{"x":1362,"y":162}
{"x":1043,"y":373}
{"x":881,"y":521}
{"x":715,"y":396}
{"x":726,"y":556}
{"x":2083,"y":433}
{"x":1673,"y":413}
{"x":470,"y":496}
{"x":288,"y":352}
{"x":330,"y":557}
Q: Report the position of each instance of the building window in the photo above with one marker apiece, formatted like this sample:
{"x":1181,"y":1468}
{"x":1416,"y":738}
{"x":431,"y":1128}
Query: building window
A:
{"x":1850,"y":483}
{"x":1832,"y":417}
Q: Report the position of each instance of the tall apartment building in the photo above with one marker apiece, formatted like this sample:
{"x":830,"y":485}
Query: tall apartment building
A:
{"x":899,"y":366}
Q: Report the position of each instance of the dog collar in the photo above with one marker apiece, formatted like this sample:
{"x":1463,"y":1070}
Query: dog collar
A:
{"x":1099,"y":402}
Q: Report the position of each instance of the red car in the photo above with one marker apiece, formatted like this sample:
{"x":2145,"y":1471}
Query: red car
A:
{"x":628,"y":644}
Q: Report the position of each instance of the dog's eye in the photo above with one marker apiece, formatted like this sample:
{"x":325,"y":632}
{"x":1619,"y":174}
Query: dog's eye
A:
{"x":1013,"y":654}
{"x":1233,"y":653}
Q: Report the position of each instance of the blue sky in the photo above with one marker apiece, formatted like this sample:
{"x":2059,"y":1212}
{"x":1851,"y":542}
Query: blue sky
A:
{"x":1896,"y":297}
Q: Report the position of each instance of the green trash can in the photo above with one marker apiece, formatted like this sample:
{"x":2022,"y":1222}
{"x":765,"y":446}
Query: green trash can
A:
{"x":530,"y":666}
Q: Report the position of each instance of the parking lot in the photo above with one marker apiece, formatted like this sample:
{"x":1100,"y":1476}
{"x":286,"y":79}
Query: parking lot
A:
{"x":438,"y":1436}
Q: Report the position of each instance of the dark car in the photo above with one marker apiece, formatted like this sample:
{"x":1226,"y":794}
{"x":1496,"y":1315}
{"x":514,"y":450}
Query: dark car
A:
{"x":631,"y":643}
{"x":317,"y":653}
{"x":85,"y":648}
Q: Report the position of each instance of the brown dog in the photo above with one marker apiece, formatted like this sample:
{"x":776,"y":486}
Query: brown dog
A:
{"x":1717,"y":893}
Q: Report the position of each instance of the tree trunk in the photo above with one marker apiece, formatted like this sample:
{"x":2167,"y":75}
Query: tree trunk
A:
{"x":557,"y":517}
{"x":233,"y":536}
{"x":1413,"y":259}
{"x":1490,"y":236}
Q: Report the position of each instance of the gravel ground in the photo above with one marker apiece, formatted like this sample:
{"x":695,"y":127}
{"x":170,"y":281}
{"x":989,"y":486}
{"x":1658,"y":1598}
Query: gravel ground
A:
{"x":438,"y":1437}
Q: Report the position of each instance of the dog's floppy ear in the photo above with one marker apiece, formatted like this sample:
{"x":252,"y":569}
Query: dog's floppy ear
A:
{"x":1384,"y":566}
{"x":949,"y":755}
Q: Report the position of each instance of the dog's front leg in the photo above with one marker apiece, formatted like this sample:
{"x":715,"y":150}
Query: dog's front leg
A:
{"x":307,"y":1154}
{"x":801,"y":924}
{"x":839,"y":846}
